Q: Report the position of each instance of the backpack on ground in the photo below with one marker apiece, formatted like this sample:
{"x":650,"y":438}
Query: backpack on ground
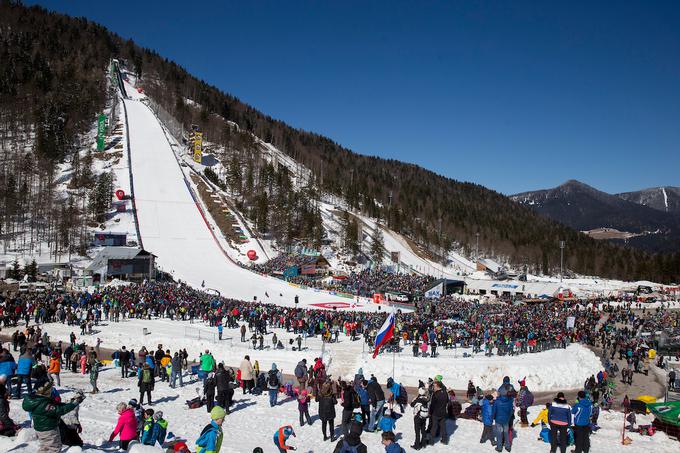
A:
{"x":403,"y":395}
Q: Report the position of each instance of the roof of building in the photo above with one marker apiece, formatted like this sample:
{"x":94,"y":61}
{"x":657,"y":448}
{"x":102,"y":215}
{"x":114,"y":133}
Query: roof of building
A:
{"x":115,"y":253}
{"x":491,"y":265}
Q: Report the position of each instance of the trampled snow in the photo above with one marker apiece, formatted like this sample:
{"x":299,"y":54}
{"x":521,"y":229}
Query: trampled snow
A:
{"x":253,"y":423}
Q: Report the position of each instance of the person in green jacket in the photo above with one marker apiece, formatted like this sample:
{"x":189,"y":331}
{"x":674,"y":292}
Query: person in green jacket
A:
{"x":207,"y":364}
{"x":46,"y":413}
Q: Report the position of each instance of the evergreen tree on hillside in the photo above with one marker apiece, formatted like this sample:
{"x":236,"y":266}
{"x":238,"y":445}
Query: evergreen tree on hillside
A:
{"x":377,"y":251}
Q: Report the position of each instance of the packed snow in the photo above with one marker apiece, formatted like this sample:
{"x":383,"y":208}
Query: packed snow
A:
{"x":253,"y":423}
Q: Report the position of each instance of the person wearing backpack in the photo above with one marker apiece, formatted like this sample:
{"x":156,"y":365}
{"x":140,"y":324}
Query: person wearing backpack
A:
{"x":350,"y":443}
{"x":350,"y":401}
{"x":301,"y":373}
{"x":145,"y":382}
{"x":421,"y":412}
{"x":273,"y":384}
{"x":210,"y":440}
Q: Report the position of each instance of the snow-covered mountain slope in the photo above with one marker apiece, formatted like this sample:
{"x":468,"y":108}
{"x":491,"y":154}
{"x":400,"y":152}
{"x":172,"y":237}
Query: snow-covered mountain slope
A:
{"x":173,"y":228}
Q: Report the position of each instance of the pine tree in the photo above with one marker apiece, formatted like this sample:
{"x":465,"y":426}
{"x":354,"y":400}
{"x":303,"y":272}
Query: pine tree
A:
{"x":377,"y":246}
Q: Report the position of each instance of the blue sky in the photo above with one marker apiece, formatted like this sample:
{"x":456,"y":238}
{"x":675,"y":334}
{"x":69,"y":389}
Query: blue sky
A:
{"x":512,"y":95}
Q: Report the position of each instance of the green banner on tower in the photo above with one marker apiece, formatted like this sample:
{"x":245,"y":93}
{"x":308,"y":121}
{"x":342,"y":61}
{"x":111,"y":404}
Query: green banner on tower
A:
{"x":101,"y":132}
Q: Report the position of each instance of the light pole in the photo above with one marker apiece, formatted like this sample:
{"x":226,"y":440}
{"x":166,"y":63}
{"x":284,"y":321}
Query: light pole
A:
{"x":561,"y":259}
{"x":441,"y":247}
{"x":477,"y":249}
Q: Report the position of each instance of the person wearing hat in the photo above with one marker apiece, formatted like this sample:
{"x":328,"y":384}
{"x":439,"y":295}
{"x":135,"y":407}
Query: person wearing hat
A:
{"x":281,"y":436}
{"x":210,"y":440}
{"x":524,"y":400}
{"x":559,"y":418}
{"x":438,"y":413}
{"x":46,"y":413}
{"x":582,"y":411}
{"x":327,"y":402}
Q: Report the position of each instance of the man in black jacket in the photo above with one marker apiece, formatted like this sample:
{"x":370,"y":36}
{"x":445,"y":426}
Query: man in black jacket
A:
{"x":224,"y":390}
{"x":376,"y":397}
{"x":350,"y":400}
{"x":438,"y":406}
{"x":124,"y":361}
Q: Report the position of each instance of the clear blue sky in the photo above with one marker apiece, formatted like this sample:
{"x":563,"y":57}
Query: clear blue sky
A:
{"x":509,"y":94}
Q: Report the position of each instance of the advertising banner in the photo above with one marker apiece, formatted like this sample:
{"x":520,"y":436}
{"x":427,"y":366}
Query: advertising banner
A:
{"x":101,"y":132}
{"x":198,"y":147}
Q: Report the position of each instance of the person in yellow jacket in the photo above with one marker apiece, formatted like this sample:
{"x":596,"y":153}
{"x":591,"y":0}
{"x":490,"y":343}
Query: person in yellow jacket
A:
{"x":542,"y":416}
{"x":165,"y":361}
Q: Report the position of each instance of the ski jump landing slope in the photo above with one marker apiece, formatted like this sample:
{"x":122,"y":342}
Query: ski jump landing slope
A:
{"x":173,"y":228}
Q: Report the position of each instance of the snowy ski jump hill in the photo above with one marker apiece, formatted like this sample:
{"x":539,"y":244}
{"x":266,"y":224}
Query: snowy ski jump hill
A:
{"x":174,"y":228}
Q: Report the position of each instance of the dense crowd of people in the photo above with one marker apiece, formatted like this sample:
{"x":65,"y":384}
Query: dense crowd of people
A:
{"x":364,"y":405}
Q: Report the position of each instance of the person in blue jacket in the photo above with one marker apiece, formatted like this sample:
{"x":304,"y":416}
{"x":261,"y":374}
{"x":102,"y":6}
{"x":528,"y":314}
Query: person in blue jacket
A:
{"x":7,"y":368}
{"x":501,"y":412}
{"x":487,"y":420}
{"x":582,"y":411}
{"x":24,"y":367}
{"x":559,"y":418}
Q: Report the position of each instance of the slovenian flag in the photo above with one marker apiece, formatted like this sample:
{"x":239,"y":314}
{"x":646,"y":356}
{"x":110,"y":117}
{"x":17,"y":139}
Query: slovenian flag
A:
{"x":385,"y":334}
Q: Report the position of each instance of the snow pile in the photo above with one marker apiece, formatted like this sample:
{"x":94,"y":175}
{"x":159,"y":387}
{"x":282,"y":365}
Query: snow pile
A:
{"x":558,"y":369}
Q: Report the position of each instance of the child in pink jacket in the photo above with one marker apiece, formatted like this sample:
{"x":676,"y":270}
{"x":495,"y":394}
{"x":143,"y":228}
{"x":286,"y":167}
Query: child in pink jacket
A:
{"x":126,"y":426}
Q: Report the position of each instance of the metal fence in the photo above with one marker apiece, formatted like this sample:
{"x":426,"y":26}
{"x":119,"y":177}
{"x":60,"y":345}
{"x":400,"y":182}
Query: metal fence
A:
{"x":174,"y":127}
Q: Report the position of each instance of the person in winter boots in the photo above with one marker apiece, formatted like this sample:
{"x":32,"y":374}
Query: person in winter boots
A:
{"x":223,"y":388}
{"x":24,"y":366}
{"x":501,"y":413}
{"x":94,"y":375}
{"x":55,"y":367}
{"x":376,"y":397}
{"x":524,"y":400}
{"x":362,"y":391}
{"x":327,"y":402}
{"x":209,"y":386}
{"x":487,"y":420}
{"x":350,"y":401}
{"x":471,"y":390}
{"x":274,"y":379}
{"x":210,"y":440}
{"x":247,"y":374}
{"x":176,"y":372}
{"x":145,"y":382}
{"x":301,"y":373}
{"x":389,"y":441}
{"x":582,"y":412}
{"x":281,"y":436}
{"x":46,"y":413}
{"x":559,"y":418}
{"x":438,"y":405}
{"x":421,"y":413}
{"x":303,"y":407}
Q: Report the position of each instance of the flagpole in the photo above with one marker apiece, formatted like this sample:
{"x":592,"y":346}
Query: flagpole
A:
{"x":394,"y":351}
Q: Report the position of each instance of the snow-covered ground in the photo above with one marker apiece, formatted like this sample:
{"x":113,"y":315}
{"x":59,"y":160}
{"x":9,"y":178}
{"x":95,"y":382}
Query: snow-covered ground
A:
{"x":545,"y":371}
{"x":253,"y":423}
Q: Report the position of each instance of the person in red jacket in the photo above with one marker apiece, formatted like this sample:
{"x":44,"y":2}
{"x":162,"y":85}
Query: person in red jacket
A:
{"x":126,"y":426}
